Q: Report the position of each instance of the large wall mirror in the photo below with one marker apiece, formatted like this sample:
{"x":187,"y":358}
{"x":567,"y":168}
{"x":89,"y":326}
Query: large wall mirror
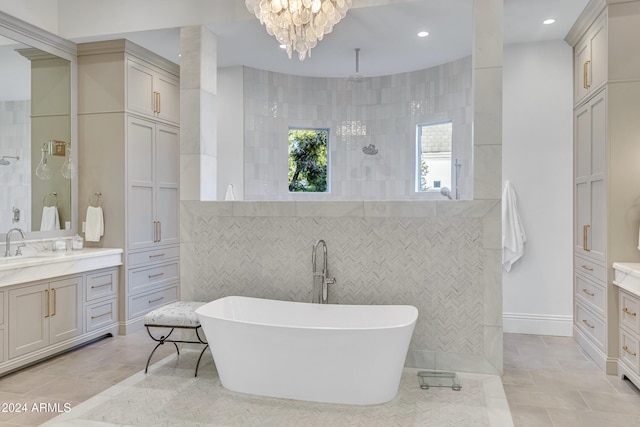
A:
{"x":38,"y":134}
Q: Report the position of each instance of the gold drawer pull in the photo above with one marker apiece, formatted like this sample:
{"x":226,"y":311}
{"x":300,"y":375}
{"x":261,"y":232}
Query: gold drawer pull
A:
{"x":588,"y":293}
{"x":151,"y":276}
{"x":630,"y":313}
{"x":587,"y":268}
{"x":625,"y":348}
{"x":101,"y":315}
{"x":156,"y":255}
{"x":585,"y":75}
{"x":587,"y":323}
{"x":46,"y":291}
{"x":585,"y":238}
{"x":156,"y":300}
{"x":101,"y":286}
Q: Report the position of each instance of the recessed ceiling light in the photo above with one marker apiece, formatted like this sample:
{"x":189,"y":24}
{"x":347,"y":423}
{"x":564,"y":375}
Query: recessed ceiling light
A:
{"x":423,"y":34}
{"x":283,"y":46}
{"x":548,"y":21}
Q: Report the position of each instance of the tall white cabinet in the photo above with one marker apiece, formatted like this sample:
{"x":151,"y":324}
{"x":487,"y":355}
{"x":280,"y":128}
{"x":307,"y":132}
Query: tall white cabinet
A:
{"x":128,"y":128}
{"x":606,"y":168}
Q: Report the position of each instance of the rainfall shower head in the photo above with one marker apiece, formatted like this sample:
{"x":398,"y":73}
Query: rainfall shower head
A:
{"x":5,"y":162}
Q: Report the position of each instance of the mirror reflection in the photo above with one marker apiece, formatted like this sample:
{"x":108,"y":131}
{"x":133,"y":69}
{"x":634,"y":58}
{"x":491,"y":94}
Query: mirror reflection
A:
{"x":35,"y":139}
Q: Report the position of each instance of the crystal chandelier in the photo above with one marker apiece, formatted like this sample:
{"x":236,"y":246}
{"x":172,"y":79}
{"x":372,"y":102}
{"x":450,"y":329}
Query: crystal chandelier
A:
{"x":299,"y":24}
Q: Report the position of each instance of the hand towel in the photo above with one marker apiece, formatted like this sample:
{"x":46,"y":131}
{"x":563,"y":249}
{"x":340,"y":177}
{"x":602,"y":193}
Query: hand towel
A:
{"x":513,"y":235}
{"x":50,"y":219}
{"x":94,"y":224}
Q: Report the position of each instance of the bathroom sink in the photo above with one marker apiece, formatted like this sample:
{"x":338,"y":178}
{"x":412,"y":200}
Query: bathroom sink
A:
{"x":29,"y":257}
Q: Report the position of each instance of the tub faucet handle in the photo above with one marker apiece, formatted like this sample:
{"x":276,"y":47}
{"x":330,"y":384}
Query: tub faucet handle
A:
{"x":18,"y":251}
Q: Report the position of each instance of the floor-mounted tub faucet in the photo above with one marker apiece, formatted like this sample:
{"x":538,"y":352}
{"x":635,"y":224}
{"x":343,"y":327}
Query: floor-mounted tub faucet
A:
{"x":7,"y":251}
{"x":321,"y":295}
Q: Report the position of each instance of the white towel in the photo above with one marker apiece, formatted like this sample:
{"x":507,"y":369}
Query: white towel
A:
{"x":94,"y":224}
{"x":513,"y":235}
{"x":229,"y":195}
{"x":50,"y":220}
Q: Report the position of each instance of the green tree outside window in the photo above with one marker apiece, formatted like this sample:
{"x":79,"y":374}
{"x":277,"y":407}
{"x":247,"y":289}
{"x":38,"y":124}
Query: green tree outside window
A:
{"x":308,"y":160}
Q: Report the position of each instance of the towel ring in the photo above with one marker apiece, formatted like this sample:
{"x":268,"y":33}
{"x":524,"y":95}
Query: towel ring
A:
{"x":95,"y":200}
{"x":50,"y":200}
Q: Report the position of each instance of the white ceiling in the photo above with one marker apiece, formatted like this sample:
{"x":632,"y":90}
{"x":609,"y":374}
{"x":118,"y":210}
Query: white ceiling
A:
{"x":386,"y":35}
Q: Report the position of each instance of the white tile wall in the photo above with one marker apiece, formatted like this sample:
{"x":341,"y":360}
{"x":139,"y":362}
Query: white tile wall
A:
{"x":15,"y":137}
{"x":380,"y":110}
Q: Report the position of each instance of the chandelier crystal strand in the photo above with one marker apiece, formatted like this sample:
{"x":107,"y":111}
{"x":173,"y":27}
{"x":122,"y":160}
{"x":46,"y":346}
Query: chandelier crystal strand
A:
{"x":299,"y":24}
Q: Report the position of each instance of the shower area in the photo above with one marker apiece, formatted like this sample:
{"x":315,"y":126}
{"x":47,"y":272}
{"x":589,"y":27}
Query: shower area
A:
{"x":372,"y":123}
{"x":15,"y":164}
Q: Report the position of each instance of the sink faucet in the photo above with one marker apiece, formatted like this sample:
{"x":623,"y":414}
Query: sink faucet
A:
{"x":321,"y":296}
{"x":7,"y":252}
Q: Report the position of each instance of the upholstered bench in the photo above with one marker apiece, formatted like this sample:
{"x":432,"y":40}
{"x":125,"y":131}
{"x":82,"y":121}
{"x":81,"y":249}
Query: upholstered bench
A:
{"x":177,"y":315}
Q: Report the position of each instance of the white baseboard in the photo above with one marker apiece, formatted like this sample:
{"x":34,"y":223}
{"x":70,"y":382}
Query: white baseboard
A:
{"x":538,"y":324}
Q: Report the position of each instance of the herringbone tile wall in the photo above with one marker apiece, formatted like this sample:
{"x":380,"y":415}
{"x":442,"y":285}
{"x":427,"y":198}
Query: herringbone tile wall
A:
{"x":435,"y":264}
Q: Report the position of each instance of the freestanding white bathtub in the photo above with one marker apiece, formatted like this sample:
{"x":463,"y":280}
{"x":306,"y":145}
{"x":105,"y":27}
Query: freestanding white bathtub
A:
{"x":351,"y":354}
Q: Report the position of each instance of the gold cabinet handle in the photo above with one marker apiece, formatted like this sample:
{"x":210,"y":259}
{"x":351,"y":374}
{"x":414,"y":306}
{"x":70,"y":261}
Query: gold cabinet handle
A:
{"x":587,"y":323}
{"x":55,"y":305}
{"x":625,"y":348}
{"x":585,"y":231}
{"x":586,"y":268}
{"x":155,"y":232}
{"x":588,"y":293}
{"x":155,"y":300}
{"x":585,"y":74}
{"x":630,"y":313}
{"x":101,"y":286}
{"x":46,"y":291}
{"x":155,"y":102}
{"x":159,"y":102}
{"x":157,"y":255}
{"x":159,"y":231}
{"x":151,"y":276}
{"x":101,"y":315}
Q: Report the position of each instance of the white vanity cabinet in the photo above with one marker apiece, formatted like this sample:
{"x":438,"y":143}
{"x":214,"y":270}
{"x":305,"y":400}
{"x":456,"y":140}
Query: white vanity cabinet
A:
{"x":627,"y":279}
{"x":128,"y":115}
{"x":606,"y":153}
{"x":45,"y":313}
{"x":3,"y":323}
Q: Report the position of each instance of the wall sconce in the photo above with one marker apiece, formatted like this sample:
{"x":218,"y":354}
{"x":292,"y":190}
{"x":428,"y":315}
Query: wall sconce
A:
{"x":43,"y":171}
{"x":68,"y":169}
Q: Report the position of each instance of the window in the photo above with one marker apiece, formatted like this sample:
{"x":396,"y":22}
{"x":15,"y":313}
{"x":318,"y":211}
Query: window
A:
{"x":433,"y":169}
{"x":308,"y":160}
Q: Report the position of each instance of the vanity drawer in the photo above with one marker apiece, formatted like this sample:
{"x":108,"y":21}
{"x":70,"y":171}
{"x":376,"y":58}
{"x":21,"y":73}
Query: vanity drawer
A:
{"x":141,"y":279}
{"x":142,"y":304}
{"x":591,"y":293}
{"x":591,"y":325}
{"x":629,"y":350}
{"x":101,"y":314}
{"x":152,"y":256}
{"x":590,"y":269}
{"x":629,"y":310}
{"x":102,"y":284}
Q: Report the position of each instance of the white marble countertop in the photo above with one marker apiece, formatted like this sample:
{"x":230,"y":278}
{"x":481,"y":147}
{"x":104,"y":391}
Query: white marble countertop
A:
{"x":48,"y":264}
{"x":627,"y":276}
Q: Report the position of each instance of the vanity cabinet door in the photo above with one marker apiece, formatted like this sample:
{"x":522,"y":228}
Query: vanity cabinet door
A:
{"x":152,"y":92}
{"x":66,"y":313}
{"x":28,"y":319}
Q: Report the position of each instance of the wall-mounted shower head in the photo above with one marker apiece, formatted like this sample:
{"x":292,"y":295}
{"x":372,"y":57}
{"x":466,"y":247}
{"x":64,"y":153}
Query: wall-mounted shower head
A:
{"x":5,"y":162}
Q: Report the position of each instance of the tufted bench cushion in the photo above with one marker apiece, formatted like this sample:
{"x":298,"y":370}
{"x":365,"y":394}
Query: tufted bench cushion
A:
{"x":180,"y":314}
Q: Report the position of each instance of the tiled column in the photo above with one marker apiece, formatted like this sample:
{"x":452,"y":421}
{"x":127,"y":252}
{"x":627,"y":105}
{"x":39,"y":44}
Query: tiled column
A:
{"x":198,"y":144}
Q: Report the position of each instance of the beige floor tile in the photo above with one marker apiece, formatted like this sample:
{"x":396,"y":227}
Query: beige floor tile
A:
{"x":612,"y":402}
{"x":569,"y":418}
{"x":544,"y":398}
{"x":70,"y":389}
{"x":571,"y":381}
{"x":530,"y":416}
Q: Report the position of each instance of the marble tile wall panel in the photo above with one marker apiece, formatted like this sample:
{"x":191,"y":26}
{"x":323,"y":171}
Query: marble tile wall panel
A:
{"x":381,"y":110}
{"x":433,"y":263}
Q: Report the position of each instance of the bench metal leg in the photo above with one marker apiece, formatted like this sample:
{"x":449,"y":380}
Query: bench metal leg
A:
{"x":164,"y":339}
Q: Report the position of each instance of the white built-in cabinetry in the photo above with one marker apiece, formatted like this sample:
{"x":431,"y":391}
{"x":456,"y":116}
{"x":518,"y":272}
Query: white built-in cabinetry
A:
{"x":627,"y":278}
{"x":606,"y":168}
{"x":45,"y":317}
{"x":128,"y":127}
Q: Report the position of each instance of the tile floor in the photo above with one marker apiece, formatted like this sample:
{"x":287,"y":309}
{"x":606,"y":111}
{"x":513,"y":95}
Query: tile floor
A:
{"x":548,"y":381}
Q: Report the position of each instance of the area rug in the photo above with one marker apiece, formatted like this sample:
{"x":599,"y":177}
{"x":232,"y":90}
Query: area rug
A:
{"x":169,"y":395}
